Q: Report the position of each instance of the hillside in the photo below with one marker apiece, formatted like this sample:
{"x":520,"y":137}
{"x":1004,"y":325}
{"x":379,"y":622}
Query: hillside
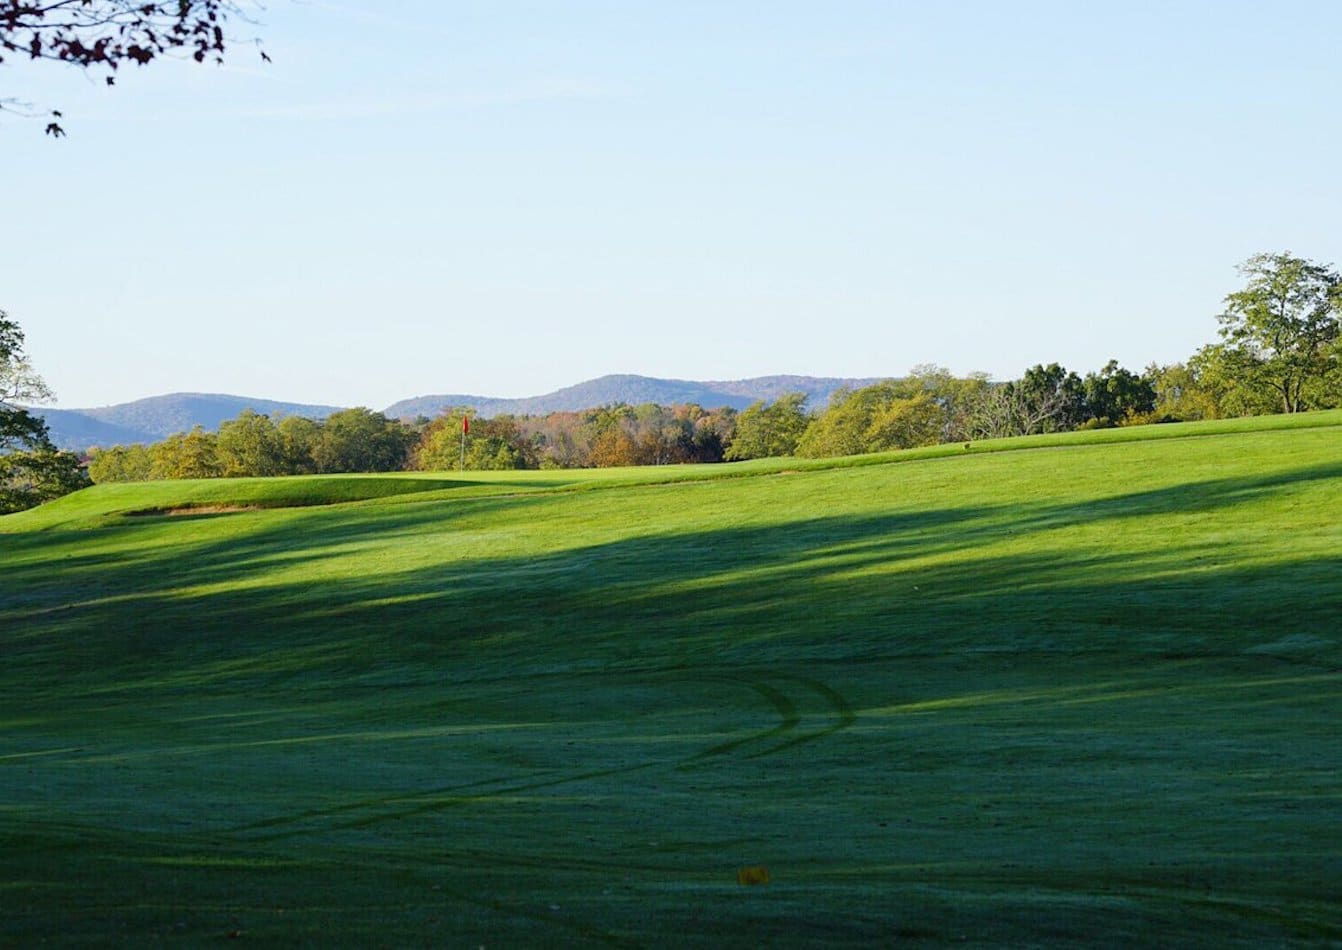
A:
{"x":1066,"y":691}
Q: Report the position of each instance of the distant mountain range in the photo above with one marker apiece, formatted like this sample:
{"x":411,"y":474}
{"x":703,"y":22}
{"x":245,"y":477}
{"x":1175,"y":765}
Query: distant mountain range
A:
{"x":604,"y":390}
{"x":155,"y":418}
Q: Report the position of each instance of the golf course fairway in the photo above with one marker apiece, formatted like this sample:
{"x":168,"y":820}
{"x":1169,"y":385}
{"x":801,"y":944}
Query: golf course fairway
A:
{"x":1082,"y":689}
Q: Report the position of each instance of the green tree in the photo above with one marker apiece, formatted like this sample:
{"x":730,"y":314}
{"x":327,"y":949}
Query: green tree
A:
{"x":121,"y":463}
{"x":906,"y":422}
{"x":1181,"y":393}
{"x":955,"y":396}
{"x":1280,"y":332}
{"x":923,"y":408}
{"x":769,"y":430}
{"x":19,"y":428}
{"x":191,"y":454}
{"x":31,"y":469}
{"x":30,"y":478}
{"x":1046,"y":399}
{"x":298,"y":437}
{"x":360,"y":440}
{"x":1054,"y":398}
{"x":495,"y":444}
{"x":1115,"y":395}
{"x":251,"y":445}
{"x":498,"y":444}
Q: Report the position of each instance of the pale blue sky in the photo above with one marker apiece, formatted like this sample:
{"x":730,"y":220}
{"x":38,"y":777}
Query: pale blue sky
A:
{"x":504,"y":198}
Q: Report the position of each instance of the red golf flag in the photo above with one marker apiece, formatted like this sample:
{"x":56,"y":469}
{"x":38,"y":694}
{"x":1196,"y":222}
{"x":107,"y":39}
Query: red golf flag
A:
{"x":465,"y":424}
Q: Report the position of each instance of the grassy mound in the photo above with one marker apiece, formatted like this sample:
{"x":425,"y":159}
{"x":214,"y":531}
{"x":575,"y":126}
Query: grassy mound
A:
{"x":1080,"y":693}
{"x":96,"y":505}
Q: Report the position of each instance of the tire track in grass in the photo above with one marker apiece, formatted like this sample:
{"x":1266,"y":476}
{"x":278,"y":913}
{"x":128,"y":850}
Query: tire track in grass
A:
{"x":843,"y":713}
{"x":369,"y":812}
{"x":838,"y":708}
{"x":788,"y":718}
{"x":426,"y":802}
{"x":776,"y":738}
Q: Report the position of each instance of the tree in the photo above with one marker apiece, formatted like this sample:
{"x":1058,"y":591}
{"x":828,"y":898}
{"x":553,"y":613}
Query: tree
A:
{"x":1281,"y":331}
{"x":496,"y":444}
{"x":29,"y":478}
{"x":1182,"y":393}
{"x":193,"y":454}
{"x":767,"y":430}
{"x":955,"y":396}
{"x":614,"y":448}
{"x":1054,"y":397}
{"x":361,"y":440}
{"x":250,"y":445}
{"x":1115,"y":395}
{"x":18,"y":427}
{"x":894,"y":414}
{"x":298,"y":436}
{"x":121,"y":463}
{"x":98,"y":36}
{"x":906,"y":422}
{"x":1046,"y":399}
{"x":31,"y":469}
{"x":713,"y":432}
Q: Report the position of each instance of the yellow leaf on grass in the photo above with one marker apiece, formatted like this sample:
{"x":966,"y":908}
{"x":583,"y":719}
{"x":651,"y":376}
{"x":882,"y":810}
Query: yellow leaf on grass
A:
{"x":756,"y":874}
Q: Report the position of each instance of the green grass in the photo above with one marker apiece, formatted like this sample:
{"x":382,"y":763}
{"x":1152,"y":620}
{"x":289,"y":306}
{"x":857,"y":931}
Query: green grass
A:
{"x":1084,"y":691}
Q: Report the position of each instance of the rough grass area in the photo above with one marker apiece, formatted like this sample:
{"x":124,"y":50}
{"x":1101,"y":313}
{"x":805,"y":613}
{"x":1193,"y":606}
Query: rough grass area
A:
{"x":1080,"y":693}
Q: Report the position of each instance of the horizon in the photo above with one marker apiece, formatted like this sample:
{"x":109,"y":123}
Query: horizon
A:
{"x":524,"y":197}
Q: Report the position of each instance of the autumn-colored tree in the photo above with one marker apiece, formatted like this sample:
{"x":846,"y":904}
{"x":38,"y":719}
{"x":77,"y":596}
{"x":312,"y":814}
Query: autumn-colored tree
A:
{"x":100,"y":36}
{"x":614,"y":448}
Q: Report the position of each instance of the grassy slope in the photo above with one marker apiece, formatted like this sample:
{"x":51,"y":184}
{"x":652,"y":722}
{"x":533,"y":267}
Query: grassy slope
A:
{"x":1083,"y":693}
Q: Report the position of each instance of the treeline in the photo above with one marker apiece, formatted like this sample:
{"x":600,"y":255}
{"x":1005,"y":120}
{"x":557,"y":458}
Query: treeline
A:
{"x":360,"y":440}
{"x":929,"y":405}
{"x":352,"y":440}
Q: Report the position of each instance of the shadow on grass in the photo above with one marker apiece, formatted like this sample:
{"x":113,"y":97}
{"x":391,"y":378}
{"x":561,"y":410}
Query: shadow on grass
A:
{"x":816,"y":588}
{"x":789,"y":616}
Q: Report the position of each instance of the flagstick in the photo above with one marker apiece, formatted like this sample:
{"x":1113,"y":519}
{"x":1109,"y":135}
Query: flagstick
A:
{"x":465,"y":427}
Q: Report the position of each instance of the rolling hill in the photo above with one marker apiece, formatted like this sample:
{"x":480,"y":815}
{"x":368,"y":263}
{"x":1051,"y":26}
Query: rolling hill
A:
{"x":1067,"y":691}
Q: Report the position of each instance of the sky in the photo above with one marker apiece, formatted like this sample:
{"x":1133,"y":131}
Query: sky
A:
{"x":502,"y":198}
